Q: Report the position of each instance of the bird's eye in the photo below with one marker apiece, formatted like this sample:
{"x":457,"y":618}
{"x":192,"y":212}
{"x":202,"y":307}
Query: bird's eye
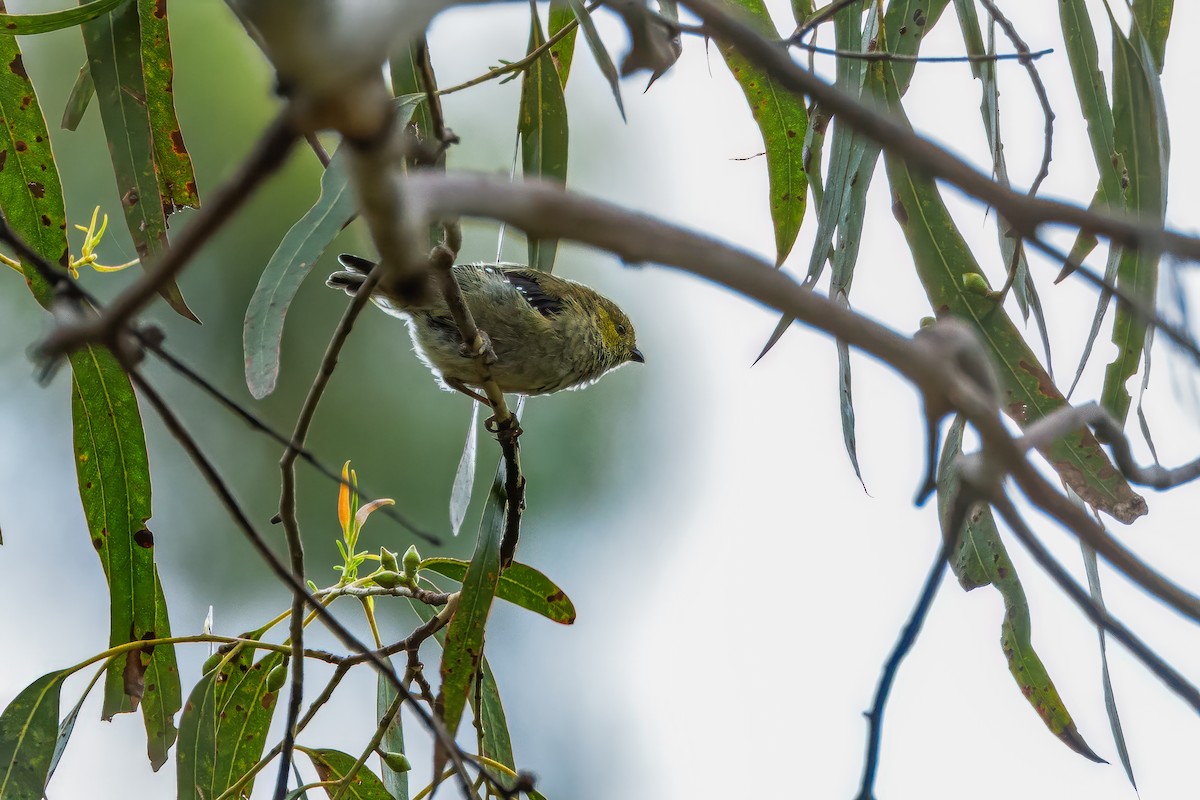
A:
{"x":621,"y":329}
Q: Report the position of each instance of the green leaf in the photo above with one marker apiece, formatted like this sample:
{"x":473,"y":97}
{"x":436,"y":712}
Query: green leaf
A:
{"x":172,"y":163}
{"x":943,"y":259}
{"x":802,"y":10}
{"x":81,"y":96}
{"x":464,"y":476}
{"x":302,"y":245}
{"x":519,"y":584}
{"x":25,"y":24}
{"x":497,"y":743}
{"x":224,"y":724}
{"x":782,"y":120}
{"x":30,"y":189}
{"x":114,"y":48}
{"x":395,"y":782}
{"x":65,"y":729}
{"x":562,"y":14}
{"x":162,"y":696}
{"x":1154,"y":21}
{"x":114,"y":484}
{"x":463,"y":646}
{"x":982,"y":560}
{"x":333,"y":765}
{"x":603,"y":60}
{"x":542,"y":127}
{"x":1092,"y":567}
{"x":1138,"y":124}
{"x":262,"y":333}
{"x":28,"y":732}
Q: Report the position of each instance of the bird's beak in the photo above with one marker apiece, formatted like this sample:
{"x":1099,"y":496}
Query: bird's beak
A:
{"x":637,"y":356}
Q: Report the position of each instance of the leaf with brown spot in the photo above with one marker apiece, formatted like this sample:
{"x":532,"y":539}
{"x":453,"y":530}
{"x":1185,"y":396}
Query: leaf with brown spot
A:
{"x":981,"y":560}
{"x":114,"y":47}
{"x":942,"y":260}
{"x":334,"y":765}
{"x":224,"y":725}
{"x":519,"y":584}
{"x":777,"y":112}
{"x":172,"y":163}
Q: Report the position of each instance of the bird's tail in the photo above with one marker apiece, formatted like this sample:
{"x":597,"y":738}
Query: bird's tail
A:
{"x":352,"y":277}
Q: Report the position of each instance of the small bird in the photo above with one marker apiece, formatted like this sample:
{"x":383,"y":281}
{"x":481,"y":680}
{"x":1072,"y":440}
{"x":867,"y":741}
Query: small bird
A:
{"x":548,"y":333}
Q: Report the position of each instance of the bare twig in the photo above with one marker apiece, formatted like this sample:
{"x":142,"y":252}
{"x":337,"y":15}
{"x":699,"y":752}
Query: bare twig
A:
{"x":518,"y":66}
{"x":908,"y":638}
{"x":824,"y":15}
{"x":1027,"y":58}
{"x":904,"y":58}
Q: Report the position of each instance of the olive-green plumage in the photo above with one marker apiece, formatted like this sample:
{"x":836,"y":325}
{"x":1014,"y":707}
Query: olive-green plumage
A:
{"x":548,"y":333}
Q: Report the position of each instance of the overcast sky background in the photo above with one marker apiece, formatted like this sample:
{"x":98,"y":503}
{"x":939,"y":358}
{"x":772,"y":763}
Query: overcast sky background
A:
{"x":737,"y":590}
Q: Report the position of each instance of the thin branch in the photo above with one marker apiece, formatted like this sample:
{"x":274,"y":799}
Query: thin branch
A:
{"x":904,"y":58}
{"x":824,"y":15}
{"x":908,"y":638}
{"x":385,"y":721}
{"x":287,"y":509}
{"x":522,"y":64}
{"x":1027,"y":58}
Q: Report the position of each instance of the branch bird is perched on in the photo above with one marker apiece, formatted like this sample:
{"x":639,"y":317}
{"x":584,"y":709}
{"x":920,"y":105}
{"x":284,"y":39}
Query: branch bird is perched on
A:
{"x":548,"y":333}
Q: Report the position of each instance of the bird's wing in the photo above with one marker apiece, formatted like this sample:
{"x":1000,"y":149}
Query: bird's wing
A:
{"x":529,"y":283}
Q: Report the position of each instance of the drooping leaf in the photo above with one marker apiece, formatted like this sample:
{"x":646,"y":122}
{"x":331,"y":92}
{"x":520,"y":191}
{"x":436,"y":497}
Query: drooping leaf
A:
{"x":162,"y":696}
{"x":172,"y":163}
{"x":289,"y":265}
{"x":1138,"y":123}
{"x":262,"y":333}
{"x":542,"y":127}
{"x":463,"y":646}
{"x":782,"y":120}
{"x":65,"y":729}
{"x":943,"y":260}
{"x":114,"y":48}
{"x":981,"y":559}
{"x":30,"y":190}
{"x":563,"y":53}
{"x":497,"y":743}
{"x":224,"y":724}
{"x":26,"y":24}
{"x":464,"y":476}
{"x":28,"y":733}
{"x":395,"y":782}
{"x":519,"y":584}
{"x":81,"y":96}
{"x":114,"y":484}
{"x":1110,"y":698}
{"x":334,"y":765}
{"x":110,"y":446}
{"x":599,"y":52}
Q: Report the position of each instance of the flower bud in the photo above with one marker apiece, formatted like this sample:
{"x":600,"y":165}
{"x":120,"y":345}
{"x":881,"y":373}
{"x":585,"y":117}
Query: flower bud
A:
{"x":412,"y":562}
{"x":396,"y":762}
{"x":388,"y":579}
{"x":277,"y":677}
{"x":387,"y":560}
